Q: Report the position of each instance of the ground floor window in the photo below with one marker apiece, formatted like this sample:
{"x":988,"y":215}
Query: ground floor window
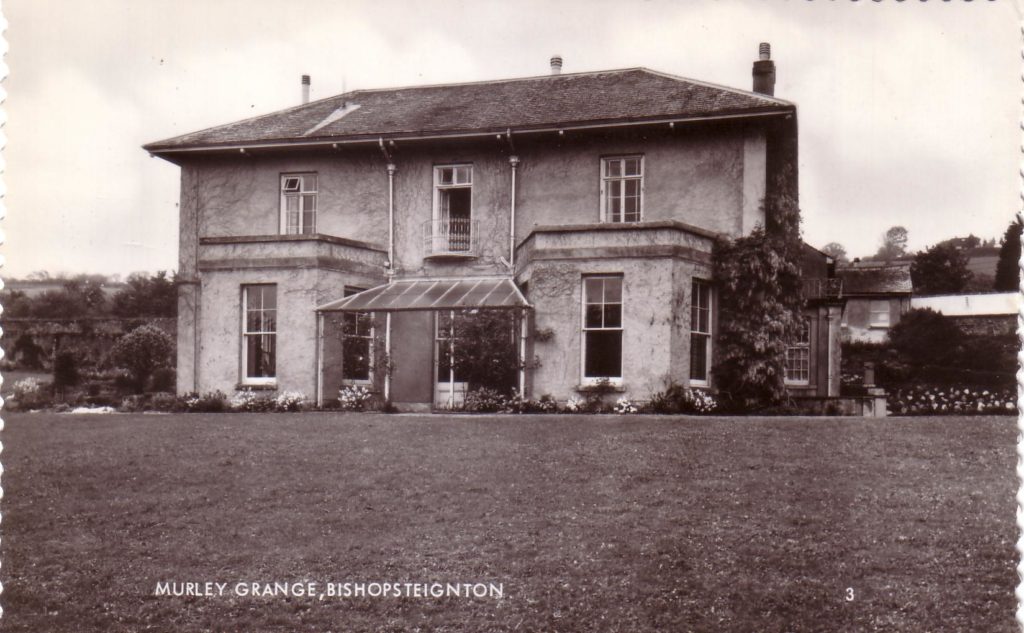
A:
{"x":356,"y":343}
{"x":798,"y":356}
{"x":700,"y":333}
{"x":259,"y":333}
{"x":602,"y":327}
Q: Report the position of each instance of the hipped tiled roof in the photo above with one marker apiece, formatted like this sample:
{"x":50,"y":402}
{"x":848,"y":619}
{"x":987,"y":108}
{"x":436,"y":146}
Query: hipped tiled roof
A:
{"x":881,"y":279}
{"x":635,"y":94}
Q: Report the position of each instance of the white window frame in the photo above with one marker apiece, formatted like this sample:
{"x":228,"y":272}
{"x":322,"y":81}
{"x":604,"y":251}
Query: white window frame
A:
{"x":707,"y":334}
{"x":802,"y":346}
{"x":304,"y":189}
{"x":606,"y":179}
{"x":884,"y":309}
{"x":593,"y":380}
{"x":246,"y":378}
{"x":370,"y":351}
{"x":455,"y":184}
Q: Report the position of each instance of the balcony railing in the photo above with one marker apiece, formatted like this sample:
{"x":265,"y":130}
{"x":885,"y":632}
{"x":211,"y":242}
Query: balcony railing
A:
{"x":455,"y":236}
{"x":823,"y":288}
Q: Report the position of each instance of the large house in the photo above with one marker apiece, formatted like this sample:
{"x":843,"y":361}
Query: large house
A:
{"x":877,"y":296}
{"x":340,"y":241}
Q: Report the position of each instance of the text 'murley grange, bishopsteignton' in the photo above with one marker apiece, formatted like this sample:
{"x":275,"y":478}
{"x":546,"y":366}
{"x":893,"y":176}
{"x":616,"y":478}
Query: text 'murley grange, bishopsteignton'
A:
{"x":320,"y":240}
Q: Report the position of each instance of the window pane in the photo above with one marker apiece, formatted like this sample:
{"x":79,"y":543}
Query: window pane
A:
{"x":612,"y":290}
{"x":699,"y":357}
{"x":291,"y":184}
{"x":613,"y":315}
{"x":603,"y":354}
{"x":592,"y":289}
{"x":308,"y":222}
{"x":269,"y":321}
{"x":268,"y":297}
{"x":593,"y":316}
{"x":613,"y":168}
{"x":309,"y":182}
{"x":463,"y":175}
{"x":632,"y":188}
{"x":445,"y":176}
{"x":291,"y":203}
{"x":253,"y":321}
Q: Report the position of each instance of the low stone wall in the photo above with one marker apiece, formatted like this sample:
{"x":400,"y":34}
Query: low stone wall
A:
{"x":986,"y":325}
{"x":92,"y":337}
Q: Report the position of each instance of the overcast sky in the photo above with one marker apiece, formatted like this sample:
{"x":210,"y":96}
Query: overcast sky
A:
{"x":908,"y":112}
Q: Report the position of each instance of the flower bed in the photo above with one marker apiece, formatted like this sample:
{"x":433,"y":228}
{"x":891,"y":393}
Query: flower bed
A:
{"x":926,"y":400}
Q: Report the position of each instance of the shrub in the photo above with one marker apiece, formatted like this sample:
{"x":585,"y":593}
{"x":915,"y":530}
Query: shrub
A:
{"x":141,"y":352}
{"x":164,"y":379}
{"x":134,"y":403}
{"x":30,"y":393}
{"x":164,"y":402}
{"x":250,"y":401}
{"x":547,"y":404}
{"x":27,"y":353}
{"x":485,"y":400}
{"x":290,"y":401}
{"x":354,"y":398}
{"x":925,"y":337}
{"x":623,"y":405}
{"x":679,"y":399}
{"x":574,"y":405}
{"x":210,"y":402}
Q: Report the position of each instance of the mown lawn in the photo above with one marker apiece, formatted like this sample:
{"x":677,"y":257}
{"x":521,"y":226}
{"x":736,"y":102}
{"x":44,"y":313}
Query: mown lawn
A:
{"x":590,"y":523}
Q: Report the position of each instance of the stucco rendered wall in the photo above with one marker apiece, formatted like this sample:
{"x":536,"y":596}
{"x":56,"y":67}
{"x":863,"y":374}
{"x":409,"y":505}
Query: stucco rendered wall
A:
{"x":299,"y":292}
{"x":242,"y":196}
{"x":655,"y":318}
{"x":695,"y":177}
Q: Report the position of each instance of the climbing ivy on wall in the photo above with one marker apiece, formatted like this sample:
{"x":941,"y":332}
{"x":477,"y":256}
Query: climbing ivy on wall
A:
{"x":759,"y":300}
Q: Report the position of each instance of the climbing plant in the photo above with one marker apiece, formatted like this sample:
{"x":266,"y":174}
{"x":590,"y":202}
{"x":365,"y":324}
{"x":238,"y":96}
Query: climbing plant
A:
{"x":760,"y":298}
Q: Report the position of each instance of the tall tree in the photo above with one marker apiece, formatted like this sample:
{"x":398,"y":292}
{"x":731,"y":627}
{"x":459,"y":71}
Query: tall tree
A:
{"x":942,"y":269}
{"x":1008,"y":267}
{"x":894,"y":244}
{"x":836,"y":251}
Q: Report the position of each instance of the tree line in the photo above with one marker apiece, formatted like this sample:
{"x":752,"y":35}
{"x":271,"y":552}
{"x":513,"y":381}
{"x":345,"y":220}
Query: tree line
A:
{"x":141,"y":295}
{"x":943,"y":268}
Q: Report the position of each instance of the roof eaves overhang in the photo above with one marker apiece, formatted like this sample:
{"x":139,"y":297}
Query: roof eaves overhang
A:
{"x":161,"y":149}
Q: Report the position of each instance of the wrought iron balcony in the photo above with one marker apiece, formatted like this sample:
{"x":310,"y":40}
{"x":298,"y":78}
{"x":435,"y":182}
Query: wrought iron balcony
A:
{"x":455,"y":237}
{"x":831,"y":288}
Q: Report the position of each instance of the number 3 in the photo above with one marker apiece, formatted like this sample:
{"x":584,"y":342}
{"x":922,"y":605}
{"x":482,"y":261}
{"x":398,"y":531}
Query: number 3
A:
{"x":849,"y":594}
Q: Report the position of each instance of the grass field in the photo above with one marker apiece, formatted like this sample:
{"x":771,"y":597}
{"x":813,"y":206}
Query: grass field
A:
{"x":590,"y":524}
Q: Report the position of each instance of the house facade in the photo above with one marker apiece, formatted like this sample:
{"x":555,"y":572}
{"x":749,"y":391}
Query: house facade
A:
{"x":877,"y":295}
{"x":340,"y":242}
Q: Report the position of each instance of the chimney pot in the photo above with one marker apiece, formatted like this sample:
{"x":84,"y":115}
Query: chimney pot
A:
{"x":305,"y":89}
{"x":764,"y":70}
{"x":556,"y":64}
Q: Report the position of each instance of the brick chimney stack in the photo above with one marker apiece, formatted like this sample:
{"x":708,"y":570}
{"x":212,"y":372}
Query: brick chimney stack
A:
{"x":556,"y":64}
{"x":764,"y":71}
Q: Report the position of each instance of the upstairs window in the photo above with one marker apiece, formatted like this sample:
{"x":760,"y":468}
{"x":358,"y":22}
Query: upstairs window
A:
{"x":798,"y":356}
{"x":259,"y":334}
{"x":298,"y":204}
{"x":622,"y":187}
{"x":602,"y":328}
{"x":700,"y":333}
{"x":879,"y":314}
{"x":452,"y":231}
